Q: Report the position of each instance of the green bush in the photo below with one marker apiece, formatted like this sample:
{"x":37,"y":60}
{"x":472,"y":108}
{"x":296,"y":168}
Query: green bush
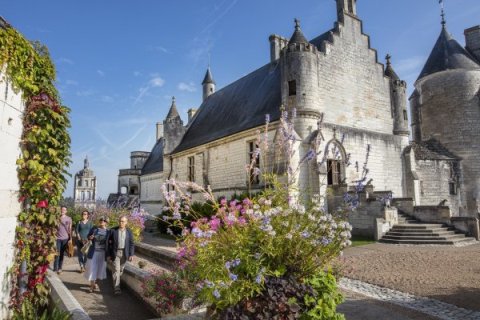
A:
{"x":29,"y":312}
{"x":323,"y":303}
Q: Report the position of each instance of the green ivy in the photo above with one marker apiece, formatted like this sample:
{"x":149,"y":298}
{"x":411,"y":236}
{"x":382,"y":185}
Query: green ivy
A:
{"x":45,"y":147}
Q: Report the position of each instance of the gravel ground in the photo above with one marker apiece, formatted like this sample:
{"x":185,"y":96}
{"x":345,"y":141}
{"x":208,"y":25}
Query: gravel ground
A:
{"x":446,"y":273}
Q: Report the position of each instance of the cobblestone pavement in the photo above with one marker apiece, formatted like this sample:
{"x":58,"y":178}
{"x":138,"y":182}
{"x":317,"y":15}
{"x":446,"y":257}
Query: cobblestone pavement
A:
{"x":102,"y":305}
{"x":445,"y":273}
{"x":433,"y":307}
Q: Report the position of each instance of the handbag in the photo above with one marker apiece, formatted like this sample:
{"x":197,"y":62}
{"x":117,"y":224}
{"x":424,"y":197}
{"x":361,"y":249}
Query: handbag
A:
{"x":70,"y":249}
{"x":86,"y":247}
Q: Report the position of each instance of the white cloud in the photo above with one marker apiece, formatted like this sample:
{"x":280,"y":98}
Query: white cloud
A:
{"x":190,"y":87}
{"x":107,"y":99}
{"x":156,"y":82}
{"x":65,"y":60}
{"x":85,"y":93}
{"x":71,"y":82}
{"x":161,"y":49}
{"x":101,"y":73}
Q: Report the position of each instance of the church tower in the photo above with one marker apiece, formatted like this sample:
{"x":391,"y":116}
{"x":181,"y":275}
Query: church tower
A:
{"x":208,"y":85}
{"x":398,"y":99}
{"x":85,"y":187}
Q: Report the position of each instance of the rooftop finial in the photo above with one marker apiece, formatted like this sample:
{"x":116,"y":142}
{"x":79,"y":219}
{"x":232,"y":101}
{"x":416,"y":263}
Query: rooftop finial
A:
{"x":388,"y":57}
{"x":443,"y":12}
{"x":297,"y":24}
{"x":173,"y":100}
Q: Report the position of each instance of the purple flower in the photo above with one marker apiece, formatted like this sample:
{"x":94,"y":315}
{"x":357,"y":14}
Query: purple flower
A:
{"x":233,"y":277}
{"x":216,"y":294}
{"x":305,"y":234}
{"x":236,"y":262}
{"x":258,"y":279}
{"x":228,"y":265}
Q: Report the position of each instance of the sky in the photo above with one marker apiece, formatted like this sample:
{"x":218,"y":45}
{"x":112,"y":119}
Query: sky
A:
{"x":120,"y":62}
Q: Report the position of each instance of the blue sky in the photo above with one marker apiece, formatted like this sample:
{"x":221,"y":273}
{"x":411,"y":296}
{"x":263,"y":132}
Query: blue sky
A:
{"x":119,"y":62}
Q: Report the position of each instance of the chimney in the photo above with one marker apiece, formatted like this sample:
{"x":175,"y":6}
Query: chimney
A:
{"x":277,"y":43}
{"x":159,"y":130}
{"x":191,"y":112}
{"x":472,"y":41}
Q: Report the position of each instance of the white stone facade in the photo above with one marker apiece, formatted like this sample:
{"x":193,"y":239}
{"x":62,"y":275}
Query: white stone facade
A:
{"x":11,"y":128}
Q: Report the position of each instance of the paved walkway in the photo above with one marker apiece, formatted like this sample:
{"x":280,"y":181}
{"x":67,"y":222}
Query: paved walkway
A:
{"x":102,"y":305}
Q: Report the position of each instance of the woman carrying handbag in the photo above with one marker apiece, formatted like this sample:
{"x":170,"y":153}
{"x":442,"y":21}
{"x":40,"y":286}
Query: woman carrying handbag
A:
{"x":82,"y":229}
{"x":96,"y":266}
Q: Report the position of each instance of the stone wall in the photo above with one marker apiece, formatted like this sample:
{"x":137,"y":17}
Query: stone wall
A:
{"x":11,"y":127}
{"x":352,"y":87}
{"x":432,"y":187}
{"x":151,"y":196}
{"x":432,"y":214}
{"x":450,"y":112}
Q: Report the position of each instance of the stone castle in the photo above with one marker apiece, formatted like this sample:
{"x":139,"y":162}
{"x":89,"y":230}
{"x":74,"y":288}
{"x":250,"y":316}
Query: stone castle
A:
{"x":338,"y":78}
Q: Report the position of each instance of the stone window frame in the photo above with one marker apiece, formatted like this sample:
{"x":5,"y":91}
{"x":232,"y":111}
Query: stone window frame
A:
{"x":251,"y":179}
{"x":340,"y":157}
{"x":191,"y":168}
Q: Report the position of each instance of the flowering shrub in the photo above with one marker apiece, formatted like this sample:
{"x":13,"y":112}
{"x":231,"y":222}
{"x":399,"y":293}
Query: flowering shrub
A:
{"x":166,"y":289}
{"x":262,"y":257}
{"x":229,"y":256}
{"x":136,"y":219}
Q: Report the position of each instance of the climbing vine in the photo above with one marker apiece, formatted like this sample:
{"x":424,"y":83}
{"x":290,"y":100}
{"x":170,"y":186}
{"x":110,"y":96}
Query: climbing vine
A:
{"x":45,"y":153}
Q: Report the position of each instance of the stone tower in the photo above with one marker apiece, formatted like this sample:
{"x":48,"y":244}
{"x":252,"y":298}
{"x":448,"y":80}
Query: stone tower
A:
{"x":85,"y":187}
{"x":173,"y":129}
{"x":445,"y":107}
{"x":398,"y":99}
{"x":299,"y":80}
{"x":208,"y":84}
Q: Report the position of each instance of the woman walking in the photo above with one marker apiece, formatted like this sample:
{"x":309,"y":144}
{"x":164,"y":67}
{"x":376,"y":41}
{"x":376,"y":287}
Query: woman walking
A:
{"x":82,"y":229}
{"x":96,"y":267}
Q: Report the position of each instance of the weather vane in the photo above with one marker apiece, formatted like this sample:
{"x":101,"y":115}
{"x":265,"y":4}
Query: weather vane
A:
{"x":443,"y":12}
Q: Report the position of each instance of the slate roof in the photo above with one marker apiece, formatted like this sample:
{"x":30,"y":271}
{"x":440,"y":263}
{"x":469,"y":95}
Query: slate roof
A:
{"x":173,"y":113}
{"x":154,"y":161}
{"x":237,"y":107}
{"x":431,"y":149}
{"x":389,"y":72}
{"x":208,"y":77}
{"x":448,"y":54}
{"x":297,"y":36}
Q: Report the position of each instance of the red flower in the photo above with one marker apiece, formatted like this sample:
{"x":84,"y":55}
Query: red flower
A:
{"x":21,"y":199}
{"x":42,"y":204}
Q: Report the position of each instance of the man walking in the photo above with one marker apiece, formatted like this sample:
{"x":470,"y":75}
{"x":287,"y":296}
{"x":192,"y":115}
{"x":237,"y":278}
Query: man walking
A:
{"x":64,"y":233}
{"x":121,"y":249}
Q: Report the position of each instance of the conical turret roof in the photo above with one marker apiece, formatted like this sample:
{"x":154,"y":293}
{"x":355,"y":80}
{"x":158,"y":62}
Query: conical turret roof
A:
{"x":389,"y":72}
{"x":173,"y":113}
{"x":297,"y":36}
{"x":448,"y":54}
{"x":208,"y":77}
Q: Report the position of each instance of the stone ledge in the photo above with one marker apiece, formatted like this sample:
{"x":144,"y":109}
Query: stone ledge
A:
{"x":160,"y":255}
{"x":64,"y":299}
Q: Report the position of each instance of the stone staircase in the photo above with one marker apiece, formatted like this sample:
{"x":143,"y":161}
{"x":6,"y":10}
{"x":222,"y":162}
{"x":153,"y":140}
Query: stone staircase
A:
{"x":410,"y":231}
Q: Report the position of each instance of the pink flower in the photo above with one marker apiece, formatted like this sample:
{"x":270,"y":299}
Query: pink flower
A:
{"x":214,"y":224}
{"x":42,"y":204}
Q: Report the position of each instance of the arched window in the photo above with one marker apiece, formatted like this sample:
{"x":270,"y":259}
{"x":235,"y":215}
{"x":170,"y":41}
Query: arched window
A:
{"x":83,"y":195}
{"x":336,"y":157}
{"x":89,"y":196}
{"x":79,"y":182}
{"x":86,"y":183}
{"x":123,"y":190}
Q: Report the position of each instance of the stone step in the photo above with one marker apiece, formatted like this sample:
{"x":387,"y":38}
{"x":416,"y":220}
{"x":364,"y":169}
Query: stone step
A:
{"x":418,"y":226}
{"x":439,"y":242}
{"x":434,"y":230}
{"x":448,"y":237}
{"x":420,"y":233}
